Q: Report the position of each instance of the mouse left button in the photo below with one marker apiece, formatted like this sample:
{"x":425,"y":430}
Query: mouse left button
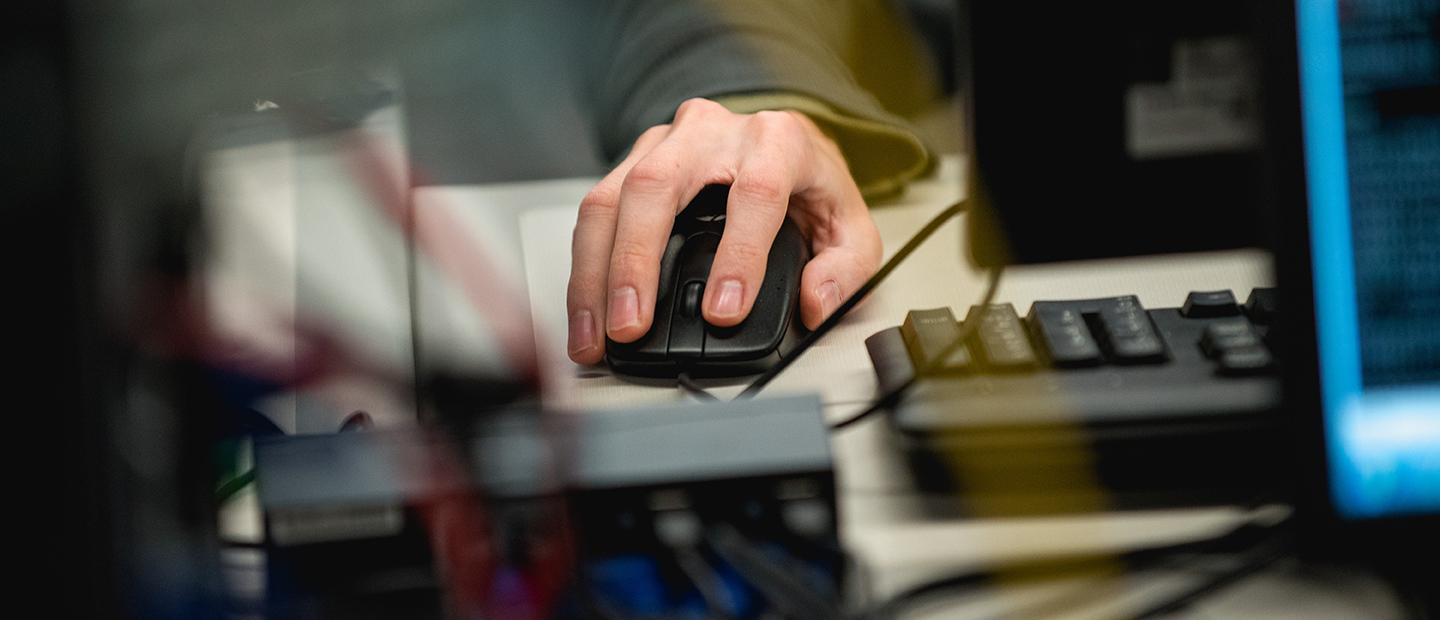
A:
{"x":687,"y":326}
{"x":648,"y":354}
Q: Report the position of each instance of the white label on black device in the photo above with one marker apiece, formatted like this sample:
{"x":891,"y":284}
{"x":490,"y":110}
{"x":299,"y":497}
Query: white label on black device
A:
{"x":1208,"y":106}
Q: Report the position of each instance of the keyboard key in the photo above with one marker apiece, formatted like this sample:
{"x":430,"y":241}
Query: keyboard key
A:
{"x":1245,"y":361}
{"x":1208,"y":304}
{"x":1263,"y":305}
{"x":1127,"y":332}
{"x":927,"y":333}
{"x":1000,"y":339}
{"x":1227,"y":335}
{"x":1063,"y":333}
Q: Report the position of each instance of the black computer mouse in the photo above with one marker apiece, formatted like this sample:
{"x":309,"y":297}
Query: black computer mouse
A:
{"x":679,"y":339}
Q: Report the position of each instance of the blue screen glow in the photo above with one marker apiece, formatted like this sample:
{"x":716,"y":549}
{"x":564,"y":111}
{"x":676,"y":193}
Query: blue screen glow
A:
{"x":1373,"y":178}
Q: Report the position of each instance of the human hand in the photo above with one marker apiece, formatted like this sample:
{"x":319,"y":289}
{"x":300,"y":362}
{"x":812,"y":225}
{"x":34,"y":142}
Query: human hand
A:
{"x":775,"y":162}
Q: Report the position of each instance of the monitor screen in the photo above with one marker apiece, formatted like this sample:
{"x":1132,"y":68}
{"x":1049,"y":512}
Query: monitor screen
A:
{"x":1370,"y":91}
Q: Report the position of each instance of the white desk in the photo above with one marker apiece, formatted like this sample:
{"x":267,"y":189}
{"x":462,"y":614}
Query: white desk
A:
{"x":895,"y":545}
{"x":523,"y":230}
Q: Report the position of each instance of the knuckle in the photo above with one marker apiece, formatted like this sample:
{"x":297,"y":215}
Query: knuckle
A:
{"x":653,"y":134}
{"x":585,"y":290}
{"x":628,"y":259}
{"x":697,"y":107}
{"x":745,"y":253}
{"x":652,"y":174}
{"x":577,"y":295}
{"x":603,"y":201}
{"x":770,"y":117}
{"x":582,"y":244}
{"x":587,"y":269}
{"x":762,"y":188}
{"x":777,"y":122}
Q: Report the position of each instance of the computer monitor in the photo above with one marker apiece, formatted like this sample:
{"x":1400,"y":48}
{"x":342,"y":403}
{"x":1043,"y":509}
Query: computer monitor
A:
{"x":1367,"y":269}
{"x":1111,"y":129}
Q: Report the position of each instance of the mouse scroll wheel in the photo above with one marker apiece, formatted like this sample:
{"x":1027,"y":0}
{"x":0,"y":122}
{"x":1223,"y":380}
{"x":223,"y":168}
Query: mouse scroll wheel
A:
{"x":690,"y":296}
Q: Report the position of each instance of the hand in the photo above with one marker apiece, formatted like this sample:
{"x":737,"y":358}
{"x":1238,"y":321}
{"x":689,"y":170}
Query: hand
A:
{"x":774,"y":162}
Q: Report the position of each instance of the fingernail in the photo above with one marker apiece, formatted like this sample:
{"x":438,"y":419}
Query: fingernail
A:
{"x":829,"y":294}
{"x":727,"y":301}
{"x":624,"y":308}
{"x":582,"y":331}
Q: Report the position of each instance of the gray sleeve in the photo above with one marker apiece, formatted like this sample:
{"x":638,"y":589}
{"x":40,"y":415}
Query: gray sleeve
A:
{"x":655,"y":54}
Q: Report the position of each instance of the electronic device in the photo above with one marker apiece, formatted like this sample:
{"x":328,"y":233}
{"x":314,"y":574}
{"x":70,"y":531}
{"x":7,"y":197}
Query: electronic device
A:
{"x":1153,"y":407}
{"x":680,"y":340}
{"x":668,"y":505}
{"x":729,"y":506}
{"x":1363,"y":276}
{"x":1129,"y":128}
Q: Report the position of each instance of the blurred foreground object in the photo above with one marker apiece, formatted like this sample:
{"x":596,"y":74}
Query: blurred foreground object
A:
{"x":215,"y":199}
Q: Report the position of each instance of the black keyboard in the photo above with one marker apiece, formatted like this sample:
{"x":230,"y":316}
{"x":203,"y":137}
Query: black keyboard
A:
{"x":1175,"y":403}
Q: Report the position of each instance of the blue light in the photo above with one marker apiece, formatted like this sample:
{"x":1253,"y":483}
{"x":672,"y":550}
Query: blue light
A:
{"x":1389,"y":461}
{"x":1326,"y":170}
{"x":1384,"y":445}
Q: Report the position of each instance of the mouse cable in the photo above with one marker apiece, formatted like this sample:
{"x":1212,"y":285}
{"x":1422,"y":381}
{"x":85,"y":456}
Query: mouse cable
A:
{"x":967,"y":328}
{"x":1259,"y":538}
{"x":1251,"y":561}
{"x":850,"y":303}
{"x":687,"y":383}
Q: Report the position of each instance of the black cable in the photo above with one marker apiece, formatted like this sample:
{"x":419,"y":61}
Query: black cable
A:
{"x":1258,"y":537}
{"x":687,"y":383}
{"x":1264,"y":554}
{"x":850,"y":303}
{"x":234,"y":485}
{"x":889,"y":399}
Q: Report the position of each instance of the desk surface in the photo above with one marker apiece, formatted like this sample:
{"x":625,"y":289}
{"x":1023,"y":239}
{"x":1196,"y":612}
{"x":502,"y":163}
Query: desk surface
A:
{"x":938,"y":274}
{"x":894,"y":543}
{"x":883,"y":527}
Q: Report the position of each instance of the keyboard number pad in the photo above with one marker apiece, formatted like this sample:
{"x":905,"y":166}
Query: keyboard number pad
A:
{"x":1128,"y":334}
{"x":1236,"y":346}
{"x":1090,"y":332}
{"x":1061,"y":329}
